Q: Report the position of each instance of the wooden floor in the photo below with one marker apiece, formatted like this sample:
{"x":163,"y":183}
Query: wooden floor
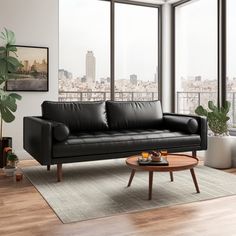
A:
{"x":24,"y":212}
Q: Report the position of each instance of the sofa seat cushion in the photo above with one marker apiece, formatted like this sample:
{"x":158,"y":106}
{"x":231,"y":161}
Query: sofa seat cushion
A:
{"x":122,"y":141}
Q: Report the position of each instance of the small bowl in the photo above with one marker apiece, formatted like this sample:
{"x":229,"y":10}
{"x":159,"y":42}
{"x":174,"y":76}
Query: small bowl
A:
{"x":156,"y":158}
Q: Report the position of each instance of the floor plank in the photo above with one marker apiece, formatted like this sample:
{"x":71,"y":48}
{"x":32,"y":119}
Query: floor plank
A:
{"x":24,"y":212}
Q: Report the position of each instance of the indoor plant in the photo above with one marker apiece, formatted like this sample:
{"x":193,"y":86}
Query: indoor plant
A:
{"x":218,"y":154}
{"x":8,"y":64}
{"x":12,"y":160}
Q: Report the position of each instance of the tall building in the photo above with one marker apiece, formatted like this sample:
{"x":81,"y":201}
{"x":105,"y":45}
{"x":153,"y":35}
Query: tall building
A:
{"x":26,"y":65}
{"x":133,"y":79}
{"x":90,"y":67}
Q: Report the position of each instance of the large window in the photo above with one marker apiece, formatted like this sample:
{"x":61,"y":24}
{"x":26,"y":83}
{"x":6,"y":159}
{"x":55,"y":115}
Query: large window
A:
{"x":108,"y":50}
{"x":136,"y":50}
{"x":195,"y":54}
{"x":84,"y":39}
{"x":231,"y":58}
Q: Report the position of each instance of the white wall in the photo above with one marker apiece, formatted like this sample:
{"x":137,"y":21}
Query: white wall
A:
{"x":35,"y":23}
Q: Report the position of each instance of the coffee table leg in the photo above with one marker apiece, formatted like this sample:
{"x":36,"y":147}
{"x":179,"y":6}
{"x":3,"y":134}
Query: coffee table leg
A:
{"x":150,"y":185}
{"x":131,"y":177}
{"x":171,"y":176}
{"x":195,"y":180}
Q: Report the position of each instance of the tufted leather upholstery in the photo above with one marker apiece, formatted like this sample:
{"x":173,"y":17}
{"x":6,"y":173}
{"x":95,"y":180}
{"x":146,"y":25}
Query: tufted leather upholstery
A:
{"x":127,"y":140}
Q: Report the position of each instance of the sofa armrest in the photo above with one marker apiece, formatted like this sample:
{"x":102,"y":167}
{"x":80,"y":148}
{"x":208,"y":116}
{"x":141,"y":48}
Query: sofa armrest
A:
{"x":202,"y":125}
{"x":37,"y":134}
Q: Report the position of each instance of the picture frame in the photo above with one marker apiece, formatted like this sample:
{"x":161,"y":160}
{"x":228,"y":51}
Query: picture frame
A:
{"x":33,"y":75}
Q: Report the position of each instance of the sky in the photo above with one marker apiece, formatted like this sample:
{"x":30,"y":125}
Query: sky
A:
{"x":85,"y":25}
{"x":31,"y":54}
{"x":196,"y":39}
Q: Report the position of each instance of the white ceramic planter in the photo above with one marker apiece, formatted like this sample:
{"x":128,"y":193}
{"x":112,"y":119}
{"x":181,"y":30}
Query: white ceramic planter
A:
{"x":218,"y":154}
{"x":10,"y":171}
{"x":233,"y":148}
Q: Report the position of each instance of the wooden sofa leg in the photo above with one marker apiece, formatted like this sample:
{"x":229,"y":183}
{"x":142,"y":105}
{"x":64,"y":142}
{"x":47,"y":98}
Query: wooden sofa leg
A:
{"x":48,"y":167}
{"x":194,"y":153}
{"x":59,"y":172}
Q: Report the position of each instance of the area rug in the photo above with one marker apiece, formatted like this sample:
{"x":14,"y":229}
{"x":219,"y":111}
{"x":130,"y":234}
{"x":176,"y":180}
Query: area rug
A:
{"x":98,"y":189}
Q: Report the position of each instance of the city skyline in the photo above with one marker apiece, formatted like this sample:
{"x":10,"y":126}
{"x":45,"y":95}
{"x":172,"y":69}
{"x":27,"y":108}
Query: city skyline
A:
{"x":90,"y":75}
{"x":93,"y":33}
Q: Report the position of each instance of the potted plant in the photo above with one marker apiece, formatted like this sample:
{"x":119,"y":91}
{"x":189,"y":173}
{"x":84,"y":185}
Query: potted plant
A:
{"x":218,"y":154}
{"x":12,"y":160}
{"x":8,"y":64}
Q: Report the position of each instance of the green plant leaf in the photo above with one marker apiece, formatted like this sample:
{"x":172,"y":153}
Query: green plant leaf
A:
{"x":227,"y":106}
{"x":10,"y":37}
{"x":2,"y":50}
{"x":11,"y":48}
{"x":2,"y":79}
{"x":13,"y":61}
{"x":3,"y":36}
{"x":201,"y":111}
{"x":10,"y":103}
{"x":211,"y":106}
{"x":3,"y":66}
{"x":11,"y":68}
{"x":8,"y":63}
{"x":16,"y":96}
{"x":6,"y":114}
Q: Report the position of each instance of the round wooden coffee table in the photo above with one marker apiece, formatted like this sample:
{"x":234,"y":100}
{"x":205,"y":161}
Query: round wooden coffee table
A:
{"x":177,"y":162}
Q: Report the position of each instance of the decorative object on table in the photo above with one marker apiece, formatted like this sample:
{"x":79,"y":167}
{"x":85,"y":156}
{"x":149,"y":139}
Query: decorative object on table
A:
{"x":152,"y":159}
{"x":33,"y":75}
{"x":164,"y":154}
{"x":6,"y":150}
{"x":218,"y":154}
{"x":145,"y":156}
{"x":162,"y":162}
{"x":12,"y":159}
{"x":19,"y":176}
{"x":5,"y":143}
{"x":8,"y":105}
{"x":11,"y":166}
{"x":156,"y":156}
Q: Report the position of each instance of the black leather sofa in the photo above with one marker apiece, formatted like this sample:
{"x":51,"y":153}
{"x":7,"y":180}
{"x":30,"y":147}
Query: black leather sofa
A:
{"x":84,"y":131}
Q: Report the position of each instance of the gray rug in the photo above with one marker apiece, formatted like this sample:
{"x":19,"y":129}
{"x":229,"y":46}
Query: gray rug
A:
{"x":98,"y":189}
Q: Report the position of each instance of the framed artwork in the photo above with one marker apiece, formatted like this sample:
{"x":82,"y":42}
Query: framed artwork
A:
{"x":33,"y":75}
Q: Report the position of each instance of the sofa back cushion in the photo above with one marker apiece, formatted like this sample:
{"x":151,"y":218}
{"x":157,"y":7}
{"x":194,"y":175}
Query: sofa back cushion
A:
{"x":78,"y":116}
{"x":134,"y":115}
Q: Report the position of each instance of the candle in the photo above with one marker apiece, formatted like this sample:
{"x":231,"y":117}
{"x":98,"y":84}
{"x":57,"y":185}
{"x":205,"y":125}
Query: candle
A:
{"x":19,"y":176}
{"x":145,"y":155}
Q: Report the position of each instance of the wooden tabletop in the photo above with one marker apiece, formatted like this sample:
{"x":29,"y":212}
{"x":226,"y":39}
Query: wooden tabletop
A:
{"x":177,"y":162}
